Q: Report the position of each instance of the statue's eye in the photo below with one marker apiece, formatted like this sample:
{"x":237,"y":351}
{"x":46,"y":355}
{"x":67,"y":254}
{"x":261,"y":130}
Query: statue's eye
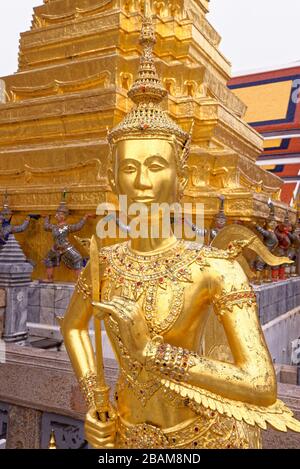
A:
{"x":156,"y":167}
{"x":129,"y":169}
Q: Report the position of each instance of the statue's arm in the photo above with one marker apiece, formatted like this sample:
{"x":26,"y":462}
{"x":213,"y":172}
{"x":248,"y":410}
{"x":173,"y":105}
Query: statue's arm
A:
{"x":22,"y":227}
{"x":75,"y":331}
{"x":47,"y":225}
{"x":78,"y":226}
{"x":262,"y":231}
{"x":251,"y":376}
{"x":294,"y":238}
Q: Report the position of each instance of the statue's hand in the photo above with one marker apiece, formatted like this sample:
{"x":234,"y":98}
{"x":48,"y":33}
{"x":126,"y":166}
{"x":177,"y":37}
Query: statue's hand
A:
{"x":100,"y":434}
{"x":134,"y":331}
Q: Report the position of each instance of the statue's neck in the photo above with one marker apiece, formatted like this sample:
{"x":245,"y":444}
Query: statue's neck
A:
{"x":157,"y":236}
{"x":148,"y":245}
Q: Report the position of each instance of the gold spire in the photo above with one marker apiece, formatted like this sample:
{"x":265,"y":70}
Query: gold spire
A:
{"x":147,"y":118}
{"x":52,"y":442}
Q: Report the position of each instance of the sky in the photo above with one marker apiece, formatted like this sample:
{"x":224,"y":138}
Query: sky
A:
{"x":255,"y":33}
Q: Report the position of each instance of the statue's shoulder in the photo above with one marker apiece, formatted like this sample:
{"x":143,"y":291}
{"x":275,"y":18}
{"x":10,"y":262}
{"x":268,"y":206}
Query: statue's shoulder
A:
{"x":106,"y":252}
{"x":210,"y":252}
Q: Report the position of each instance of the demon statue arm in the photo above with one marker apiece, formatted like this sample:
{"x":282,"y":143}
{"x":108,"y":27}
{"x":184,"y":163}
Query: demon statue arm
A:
{"x":47,"y":225}
{"x":22,"y":227}
{"x":73,"y":228}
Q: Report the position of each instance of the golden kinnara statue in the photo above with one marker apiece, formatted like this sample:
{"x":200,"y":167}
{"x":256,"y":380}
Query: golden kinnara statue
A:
{"x":178,"y":386}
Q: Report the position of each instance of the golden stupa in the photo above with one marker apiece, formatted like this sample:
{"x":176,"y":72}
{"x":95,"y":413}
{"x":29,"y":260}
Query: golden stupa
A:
{"x":76,"y":65}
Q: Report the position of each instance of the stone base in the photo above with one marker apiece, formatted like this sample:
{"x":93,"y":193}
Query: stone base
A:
{"x":288,"y":374}
{"x":24,"y":428}
{"x":16,"y":338}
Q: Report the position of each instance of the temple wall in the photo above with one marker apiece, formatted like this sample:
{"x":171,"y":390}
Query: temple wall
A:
{"x":280,"y":333}
{"x":275,"y":299}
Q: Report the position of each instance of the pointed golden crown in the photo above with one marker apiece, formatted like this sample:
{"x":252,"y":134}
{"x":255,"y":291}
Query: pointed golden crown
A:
{"x":147,"y":118}
{"x":63,"y":203}
{"x":6,"y":208}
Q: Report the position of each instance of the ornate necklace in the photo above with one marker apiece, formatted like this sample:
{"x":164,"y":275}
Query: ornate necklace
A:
{"x":136,"y":275}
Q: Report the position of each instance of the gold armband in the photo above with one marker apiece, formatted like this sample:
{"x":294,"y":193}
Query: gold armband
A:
{"x":168,"y":360}
{"x":87,"y":385}
{"x":226,"y":301}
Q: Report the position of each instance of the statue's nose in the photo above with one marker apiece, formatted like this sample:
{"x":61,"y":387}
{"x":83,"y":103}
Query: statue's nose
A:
{"x":142,"y":180}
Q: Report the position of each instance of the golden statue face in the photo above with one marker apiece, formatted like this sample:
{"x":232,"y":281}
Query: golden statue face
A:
{"x":145,"y":170}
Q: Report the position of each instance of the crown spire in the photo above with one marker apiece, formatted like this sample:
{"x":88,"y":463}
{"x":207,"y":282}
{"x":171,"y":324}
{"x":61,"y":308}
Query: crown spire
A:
{"x":63,"y":203}
{"x":147,"y":86}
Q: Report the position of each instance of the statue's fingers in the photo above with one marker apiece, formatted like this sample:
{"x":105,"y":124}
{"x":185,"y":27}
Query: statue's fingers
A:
{"x":100,"y":433}
{"x":121,"y":311}
{"x":99,"y":443}
{"x":131,"y":305}
{"x":128,"y":308}
{"x":112,"y":309}
{"x":93,"y":423}
{"x":104,"y":308}
{"x":125,"y":302}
